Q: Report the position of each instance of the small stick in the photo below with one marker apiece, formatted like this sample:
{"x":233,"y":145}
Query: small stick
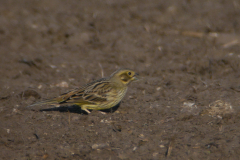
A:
{"x":69,"y":121}
{"x":230,"y":44}
{"x":169,"y":150}
{"x":101,"y":69}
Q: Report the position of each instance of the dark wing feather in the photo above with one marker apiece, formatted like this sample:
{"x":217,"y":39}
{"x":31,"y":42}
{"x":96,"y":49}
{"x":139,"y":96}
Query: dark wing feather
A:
{"x":91,"y":93}
{"x":66,"y":97}
{"x":97,"y":92}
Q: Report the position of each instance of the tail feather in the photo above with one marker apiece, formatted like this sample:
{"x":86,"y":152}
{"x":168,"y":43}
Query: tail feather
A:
{"x":48,"y":101}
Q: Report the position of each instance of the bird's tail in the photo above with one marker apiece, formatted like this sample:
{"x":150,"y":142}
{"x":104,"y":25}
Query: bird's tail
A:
{"x":45,"y":102}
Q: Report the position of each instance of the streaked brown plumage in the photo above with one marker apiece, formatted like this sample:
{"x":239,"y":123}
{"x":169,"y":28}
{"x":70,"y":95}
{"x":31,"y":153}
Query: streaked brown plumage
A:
{"x":101,"y":94}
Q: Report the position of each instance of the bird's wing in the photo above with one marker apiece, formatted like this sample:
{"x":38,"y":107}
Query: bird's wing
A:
{"x":92,"y":93}
{"x":98,"y":92}
{"x":64,"y":98}
{"x":70,"y":95}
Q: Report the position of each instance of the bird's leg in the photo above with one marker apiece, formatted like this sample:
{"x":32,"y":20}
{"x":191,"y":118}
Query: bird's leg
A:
{"x":85,"y":109}
{"x":102,"y":112}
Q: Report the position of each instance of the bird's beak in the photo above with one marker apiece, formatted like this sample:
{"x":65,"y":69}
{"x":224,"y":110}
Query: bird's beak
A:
{"x":135,"y":77}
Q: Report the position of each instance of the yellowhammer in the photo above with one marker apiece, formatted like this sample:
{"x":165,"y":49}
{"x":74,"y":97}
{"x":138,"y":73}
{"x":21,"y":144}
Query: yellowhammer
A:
{"x":101,"y":94}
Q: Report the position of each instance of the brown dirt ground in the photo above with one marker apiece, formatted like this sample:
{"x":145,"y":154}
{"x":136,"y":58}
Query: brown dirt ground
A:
{"x":185,"y":107}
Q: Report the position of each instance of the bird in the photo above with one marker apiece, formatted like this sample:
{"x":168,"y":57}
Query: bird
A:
{"x":101,"y":94}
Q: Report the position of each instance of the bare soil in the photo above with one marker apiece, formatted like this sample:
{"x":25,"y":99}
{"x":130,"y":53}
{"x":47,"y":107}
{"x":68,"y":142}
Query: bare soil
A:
{"x":186,"y":106}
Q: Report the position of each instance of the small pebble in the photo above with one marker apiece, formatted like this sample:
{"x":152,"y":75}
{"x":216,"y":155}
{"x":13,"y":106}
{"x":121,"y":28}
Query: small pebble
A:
{"x":99,"y":145}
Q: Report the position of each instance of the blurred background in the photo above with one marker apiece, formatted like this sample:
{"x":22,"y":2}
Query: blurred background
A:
{"x":186,"y":106}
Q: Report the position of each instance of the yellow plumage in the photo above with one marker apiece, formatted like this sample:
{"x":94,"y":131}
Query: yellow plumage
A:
{"x":102,"y":94}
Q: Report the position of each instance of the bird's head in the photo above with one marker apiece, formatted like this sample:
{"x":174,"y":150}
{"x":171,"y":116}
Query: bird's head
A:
{"x":125,"y":76}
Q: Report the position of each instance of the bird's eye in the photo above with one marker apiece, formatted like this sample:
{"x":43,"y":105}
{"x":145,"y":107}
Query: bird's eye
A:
{"x":129,"y":73}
